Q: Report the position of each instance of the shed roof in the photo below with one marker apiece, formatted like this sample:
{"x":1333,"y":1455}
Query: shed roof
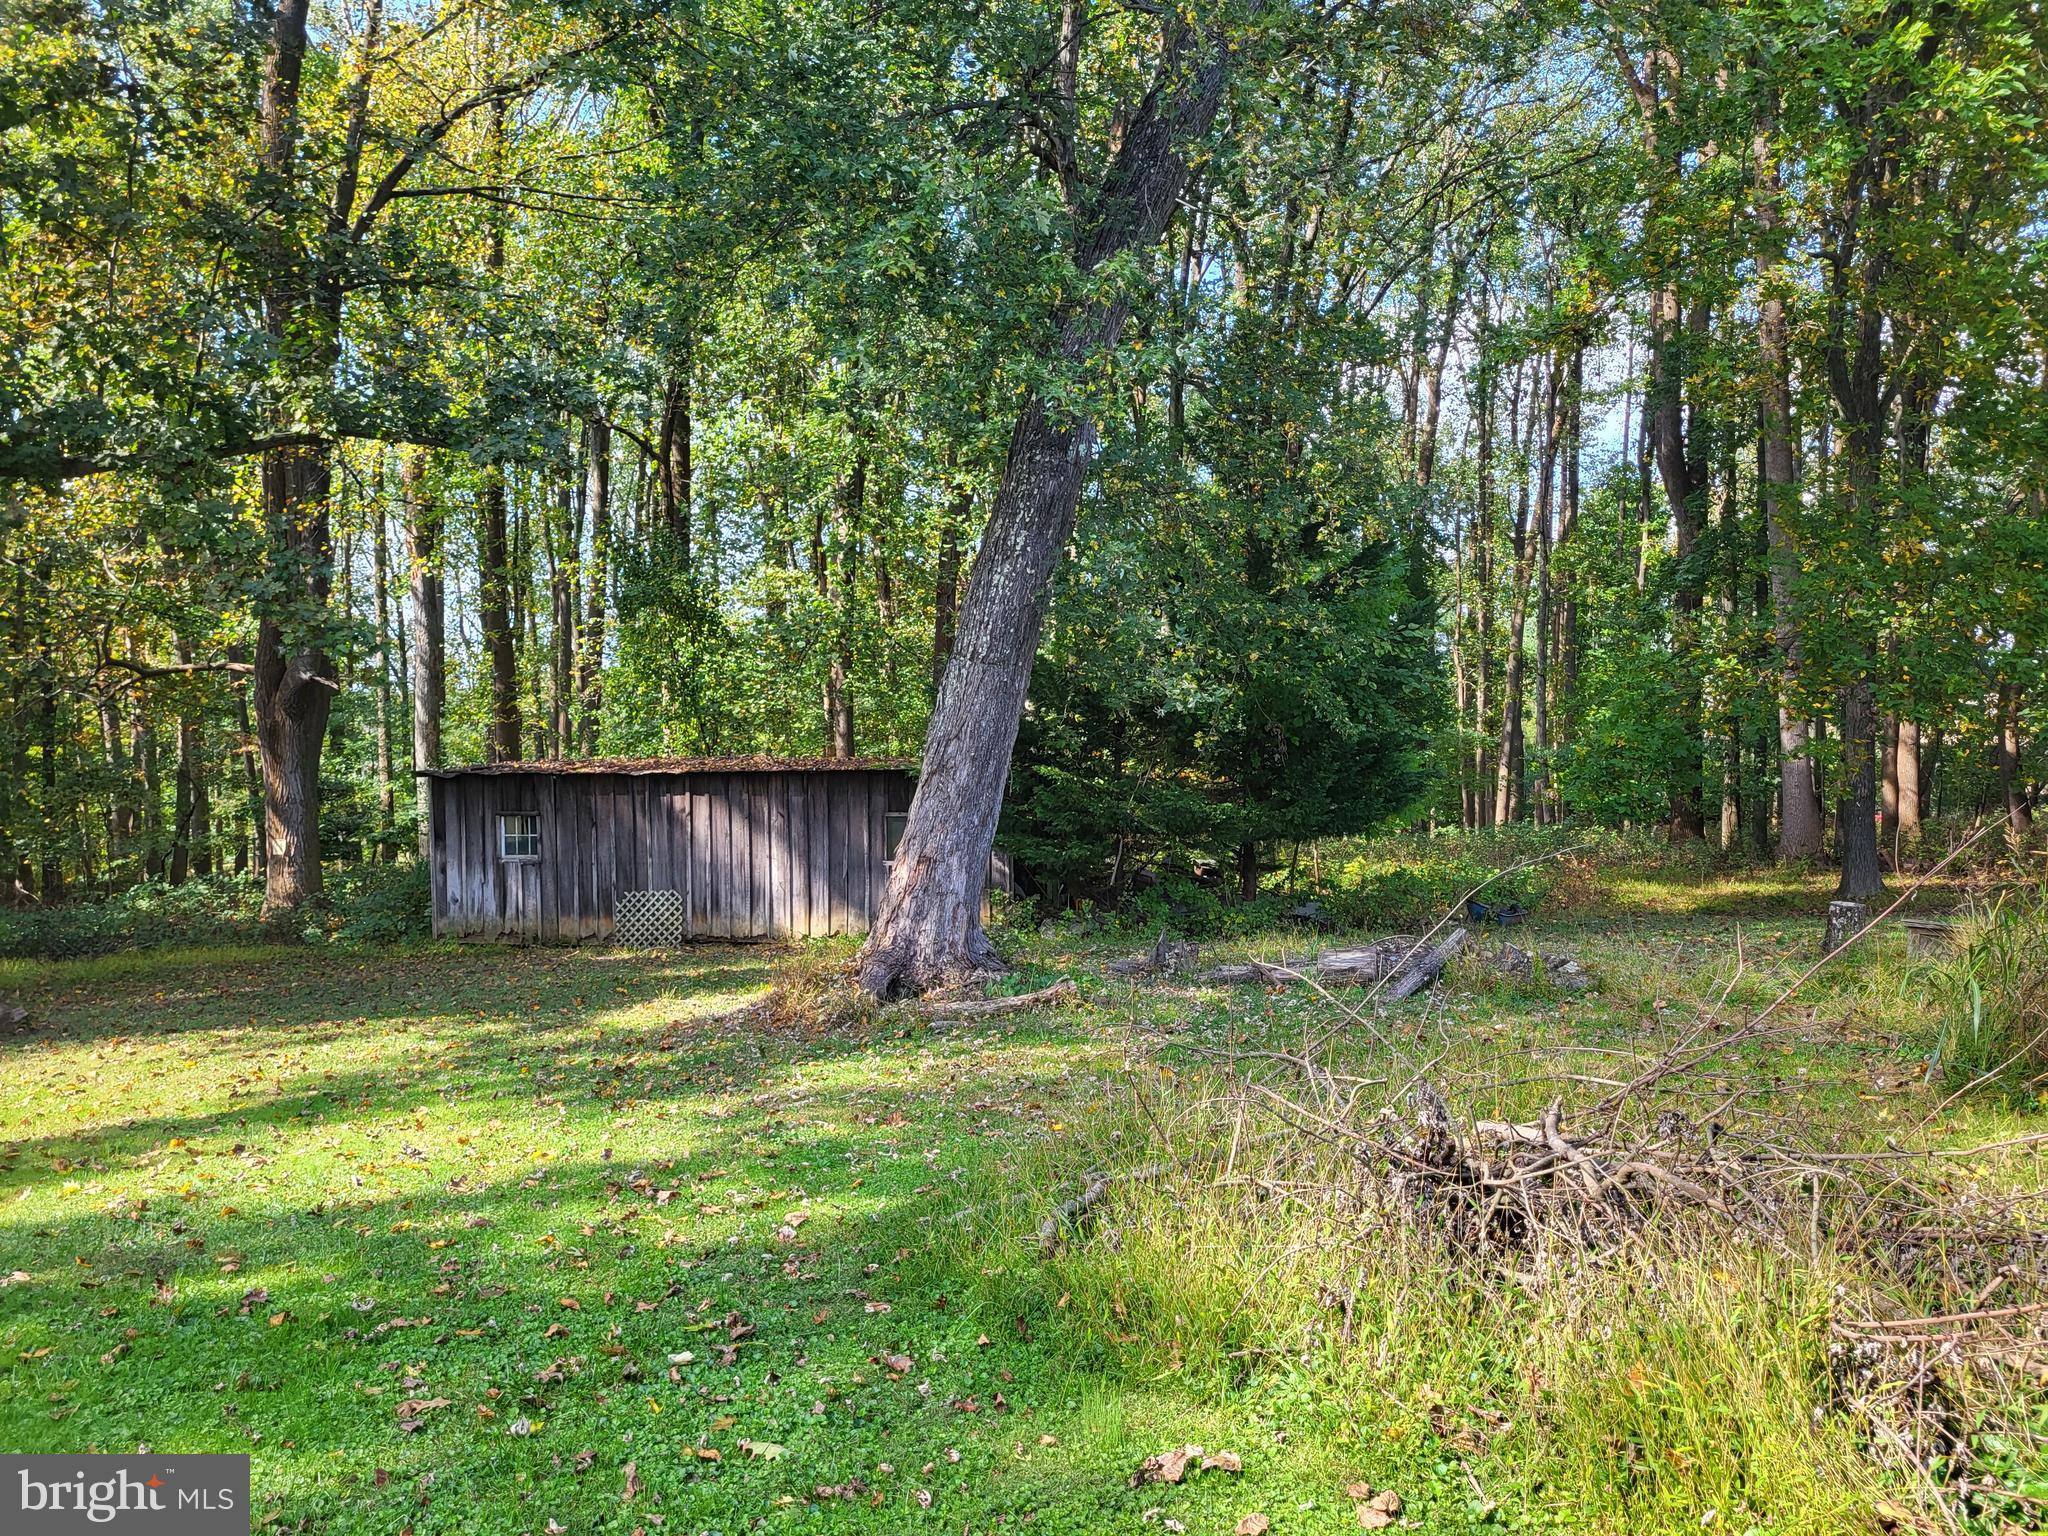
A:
{"x":759,"y":763}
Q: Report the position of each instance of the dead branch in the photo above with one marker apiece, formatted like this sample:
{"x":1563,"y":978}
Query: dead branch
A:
{"x":991,"y":1007}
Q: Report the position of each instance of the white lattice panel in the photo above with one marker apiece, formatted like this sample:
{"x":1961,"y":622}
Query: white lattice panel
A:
{"x":649,"y":919}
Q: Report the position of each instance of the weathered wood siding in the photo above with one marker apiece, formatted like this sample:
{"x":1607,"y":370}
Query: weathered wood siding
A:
{"x":749,"y":855}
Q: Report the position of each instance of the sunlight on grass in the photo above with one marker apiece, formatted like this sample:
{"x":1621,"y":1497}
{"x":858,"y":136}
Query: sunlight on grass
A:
{"x":274,"y":1202}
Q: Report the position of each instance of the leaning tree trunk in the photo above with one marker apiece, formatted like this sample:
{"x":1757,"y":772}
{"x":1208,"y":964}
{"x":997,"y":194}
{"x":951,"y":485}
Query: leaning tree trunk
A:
{"x":929,"y":925}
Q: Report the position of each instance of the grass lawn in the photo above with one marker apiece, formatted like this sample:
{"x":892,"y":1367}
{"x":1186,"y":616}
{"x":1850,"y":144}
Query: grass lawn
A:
{"x":530,"y":1241}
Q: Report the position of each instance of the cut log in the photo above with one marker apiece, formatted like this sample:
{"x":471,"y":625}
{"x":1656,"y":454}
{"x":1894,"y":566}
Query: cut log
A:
{"x":1845,"y":920}
{"x":1559,"y":971}
{"x":989,"y":1007}
{"x":1420,"y":973}
{"x":1930,"y":935}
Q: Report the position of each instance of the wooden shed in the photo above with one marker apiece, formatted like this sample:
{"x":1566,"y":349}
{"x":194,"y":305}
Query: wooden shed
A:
{"x":659,"y":851}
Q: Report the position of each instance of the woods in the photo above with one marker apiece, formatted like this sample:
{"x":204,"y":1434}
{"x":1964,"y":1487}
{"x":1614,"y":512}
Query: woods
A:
{"x":1273,"y":422}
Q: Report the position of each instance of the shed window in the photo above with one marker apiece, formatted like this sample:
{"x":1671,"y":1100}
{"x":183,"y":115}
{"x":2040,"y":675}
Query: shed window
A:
{"x":893,"y":825}
{"x":519,"y":835}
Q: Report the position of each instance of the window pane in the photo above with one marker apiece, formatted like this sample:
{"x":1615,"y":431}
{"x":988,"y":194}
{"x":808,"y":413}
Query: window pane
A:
{"x":893,"y":825}
{"x":519,"y":835}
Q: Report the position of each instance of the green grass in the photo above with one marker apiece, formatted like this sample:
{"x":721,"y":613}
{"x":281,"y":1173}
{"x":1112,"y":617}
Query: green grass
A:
{"x":255,"y":1200}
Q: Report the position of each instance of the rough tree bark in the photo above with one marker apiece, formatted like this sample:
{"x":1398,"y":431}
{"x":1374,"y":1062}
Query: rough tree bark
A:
{"x":929,"y":925}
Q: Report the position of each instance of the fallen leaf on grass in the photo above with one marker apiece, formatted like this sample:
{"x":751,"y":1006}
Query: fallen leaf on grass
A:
{"x":765,"y":1450}
{"x":413,"y":1407}
{"x":899,"y":1362}
{"x":1223,"y":1461}
{"x":632,"y":1474}
{"x":1377,"y":1513}
{"x":1252,"y":1525}
{"x":1166,"y":1467}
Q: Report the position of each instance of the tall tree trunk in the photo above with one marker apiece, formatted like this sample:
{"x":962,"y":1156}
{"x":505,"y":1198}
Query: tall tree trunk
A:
{"x":929,"y":923}
{"x":192,"y":812}
{"x":2019,"y":816}
{"x":565,"y":546}
{"x":1799,"y":830}
{"x":1856,"y":812}
{"x":1655,"y":87}
{"x":1482,"y":579}
{"x":429,"y":642}
{"x":294,"y":680}
{"x":380,"y":553}
{"x":1546,"y":474}
{"x":1888,"y":780}
{"x":597,"y":493}
{"x":1433,"y":380}
{"x":837,"y":587}
{"x":1509,"y":794}
{"x":1907,"y":760}
{"x":672,"y":453}
{"x":494,"y":616}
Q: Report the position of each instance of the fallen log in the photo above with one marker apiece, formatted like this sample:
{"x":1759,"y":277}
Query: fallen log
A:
{"x":1095,"y":1189}
{"x":1336,"y":967}
{"x":989,"y":1007}
{"x":1420,"y":973}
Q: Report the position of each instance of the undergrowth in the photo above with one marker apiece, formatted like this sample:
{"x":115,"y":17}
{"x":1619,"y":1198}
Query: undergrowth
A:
{"x":1995,"y":996}
{"x":364,"y":904}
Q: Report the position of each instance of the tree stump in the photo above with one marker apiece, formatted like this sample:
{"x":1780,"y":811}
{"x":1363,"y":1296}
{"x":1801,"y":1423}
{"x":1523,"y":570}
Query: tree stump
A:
{"x":1845,"y":920}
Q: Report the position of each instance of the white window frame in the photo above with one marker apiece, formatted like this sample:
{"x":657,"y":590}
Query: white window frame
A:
{"x":524,"y":837}
{"x":899,"y":821}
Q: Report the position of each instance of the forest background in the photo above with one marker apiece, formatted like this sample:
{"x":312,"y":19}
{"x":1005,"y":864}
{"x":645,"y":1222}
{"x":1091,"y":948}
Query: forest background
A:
{"x":1619,"y":412}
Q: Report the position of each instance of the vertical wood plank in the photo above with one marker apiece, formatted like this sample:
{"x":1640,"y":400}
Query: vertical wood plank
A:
{"x":546,"y":920}
{"x":797,"y":793}
{"x":760,"y":862}
{"x":843,"y":864}
{"x":700,"y":846}
{"x":603,"y":849}
{"x":461,"y":887}
{"x":778,"y":855}
{"x":818,"y":850}
{"x":724,"y":886}
{"x":875,"y":843}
